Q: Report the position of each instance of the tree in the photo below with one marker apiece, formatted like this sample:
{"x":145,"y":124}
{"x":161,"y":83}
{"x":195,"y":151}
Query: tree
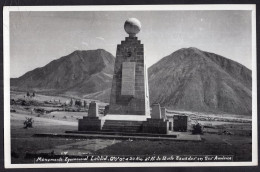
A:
{"x":28,"y":94}
{"x":33,"y":94}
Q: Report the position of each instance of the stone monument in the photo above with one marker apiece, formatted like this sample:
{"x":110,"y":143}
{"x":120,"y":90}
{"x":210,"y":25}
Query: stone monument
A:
{"x":129,"y":108}
{"x":129,"y":93}
{"x":156,"y":111}
{"x":163,"y":112}
{"x":93,"y":109}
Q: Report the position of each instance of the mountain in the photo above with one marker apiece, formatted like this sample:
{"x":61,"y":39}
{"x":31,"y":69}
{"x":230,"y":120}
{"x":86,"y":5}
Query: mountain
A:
{"x":81,"y":73}
{"x":188,"y":79}
{"x":195,"y":80}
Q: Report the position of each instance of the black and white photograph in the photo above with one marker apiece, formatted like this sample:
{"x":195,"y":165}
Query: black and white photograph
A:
{"x":130,"y":86}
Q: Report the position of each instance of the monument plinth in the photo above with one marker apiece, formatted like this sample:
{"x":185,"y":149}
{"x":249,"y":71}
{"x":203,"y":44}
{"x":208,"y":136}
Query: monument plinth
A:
{"x":92,"y":121}
{"x":129,"y":93}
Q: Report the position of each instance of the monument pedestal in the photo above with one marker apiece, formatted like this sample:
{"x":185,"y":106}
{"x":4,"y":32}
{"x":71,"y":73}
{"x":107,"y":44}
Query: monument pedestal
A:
{"x":92,"y":121}
{"x":158,"y":126}
{"x":89,"y":124}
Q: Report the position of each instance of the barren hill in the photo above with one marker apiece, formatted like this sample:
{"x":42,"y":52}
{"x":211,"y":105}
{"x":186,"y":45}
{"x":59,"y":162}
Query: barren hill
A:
{"x":79,"y":73}
{"x":188,"y":79}
{"x":191,"y":79}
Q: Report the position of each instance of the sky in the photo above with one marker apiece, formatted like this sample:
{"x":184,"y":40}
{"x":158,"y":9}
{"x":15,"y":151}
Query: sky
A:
{"x":37,"y":38}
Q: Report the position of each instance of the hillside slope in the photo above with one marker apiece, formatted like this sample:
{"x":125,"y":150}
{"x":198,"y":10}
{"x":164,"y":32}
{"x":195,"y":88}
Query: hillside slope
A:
{"x":191,"y":79}
{"x":79,"y":73}
{"x":188,"y":79}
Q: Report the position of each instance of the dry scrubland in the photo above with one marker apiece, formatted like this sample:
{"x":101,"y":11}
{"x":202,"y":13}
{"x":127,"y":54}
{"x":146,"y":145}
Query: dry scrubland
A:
{"x":220,"y":138}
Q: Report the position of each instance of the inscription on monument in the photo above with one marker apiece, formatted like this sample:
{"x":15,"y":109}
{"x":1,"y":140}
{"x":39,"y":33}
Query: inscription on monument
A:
{"x":128,"y":79}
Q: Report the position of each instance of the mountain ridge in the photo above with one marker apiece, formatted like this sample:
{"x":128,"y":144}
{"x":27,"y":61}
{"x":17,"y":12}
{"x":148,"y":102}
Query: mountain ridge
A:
{"x":75,"y":73}
{"x":197,"y":80}
{"x":187,"y":79}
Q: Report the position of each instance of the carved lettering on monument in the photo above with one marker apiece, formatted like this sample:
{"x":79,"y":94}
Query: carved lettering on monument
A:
{"x":128,"y":79}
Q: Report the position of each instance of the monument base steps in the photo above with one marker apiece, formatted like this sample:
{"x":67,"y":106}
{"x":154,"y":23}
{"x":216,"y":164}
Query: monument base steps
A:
{"x":103,"y":124}
{"x":125,"y":117}
{"x":122,"y":126}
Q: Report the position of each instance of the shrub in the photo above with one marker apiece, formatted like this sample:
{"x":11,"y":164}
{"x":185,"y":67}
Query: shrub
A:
{"x":197,"y":129}
{"x":28,"y":123}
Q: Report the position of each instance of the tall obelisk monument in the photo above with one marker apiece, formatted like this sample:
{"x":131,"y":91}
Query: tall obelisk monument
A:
{"x":129,"y":93}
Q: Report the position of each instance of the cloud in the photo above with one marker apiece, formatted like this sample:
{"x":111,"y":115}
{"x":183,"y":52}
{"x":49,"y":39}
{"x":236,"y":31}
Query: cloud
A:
{"x":100,"y":38}
{"x":85,"y":43}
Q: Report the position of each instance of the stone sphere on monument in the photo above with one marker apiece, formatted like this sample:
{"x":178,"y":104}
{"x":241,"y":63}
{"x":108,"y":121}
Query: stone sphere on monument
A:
{"x":132,"y":26}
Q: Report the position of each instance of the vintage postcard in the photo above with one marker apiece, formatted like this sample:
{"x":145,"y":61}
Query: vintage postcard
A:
{"x":130,"y":86}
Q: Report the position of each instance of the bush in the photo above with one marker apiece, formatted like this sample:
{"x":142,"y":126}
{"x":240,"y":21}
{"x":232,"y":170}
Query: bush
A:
{"x":28,"y":123}
{"x":24,"y":103}
{"x":39,"y":110}
{"x":197,"y":129}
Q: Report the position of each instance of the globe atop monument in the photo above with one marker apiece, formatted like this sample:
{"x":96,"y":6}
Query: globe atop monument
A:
{"x":132,"y":26}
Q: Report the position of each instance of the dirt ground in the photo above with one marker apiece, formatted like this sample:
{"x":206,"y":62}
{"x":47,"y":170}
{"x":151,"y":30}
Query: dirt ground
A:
{"x":22,"y":142}
{"x":219,"y":139}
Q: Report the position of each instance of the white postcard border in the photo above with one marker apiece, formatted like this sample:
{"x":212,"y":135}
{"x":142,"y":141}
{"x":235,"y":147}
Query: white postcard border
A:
{"x":6,"y":44}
